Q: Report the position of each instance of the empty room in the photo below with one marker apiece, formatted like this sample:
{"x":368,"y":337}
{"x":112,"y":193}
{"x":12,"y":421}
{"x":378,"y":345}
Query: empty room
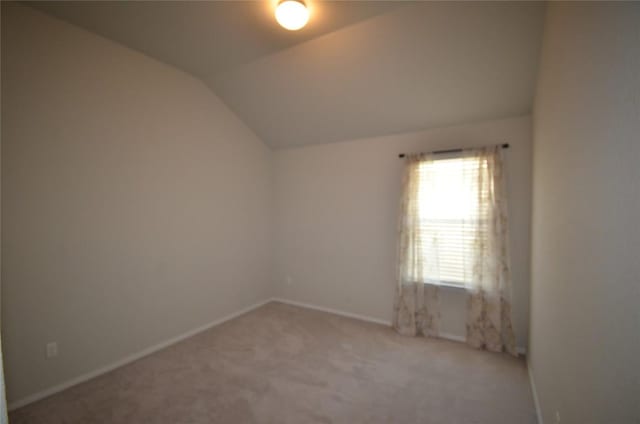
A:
{"x":311,"y":211}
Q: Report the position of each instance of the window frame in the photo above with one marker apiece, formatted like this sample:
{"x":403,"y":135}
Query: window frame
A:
{"x":461,"y":285}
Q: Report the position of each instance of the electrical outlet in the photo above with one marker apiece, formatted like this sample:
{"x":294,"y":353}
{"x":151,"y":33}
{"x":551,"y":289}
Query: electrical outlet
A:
{"x":557,"y":417}
{"x":52,"y":350}
{"x":288,"y":280}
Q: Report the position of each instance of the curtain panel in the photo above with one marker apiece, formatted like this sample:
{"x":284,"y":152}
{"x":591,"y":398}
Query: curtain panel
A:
{"x":489,"y":323}
{"x":416,"y":306}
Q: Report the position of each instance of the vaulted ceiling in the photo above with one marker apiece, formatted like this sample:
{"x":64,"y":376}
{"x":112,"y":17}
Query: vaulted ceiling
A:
{"x":358,"y":69}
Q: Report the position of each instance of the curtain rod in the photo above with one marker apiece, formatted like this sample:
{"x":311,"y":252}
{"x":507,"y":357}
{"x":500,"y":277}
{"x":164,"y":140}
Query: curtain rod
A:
{"x":439,"y":152}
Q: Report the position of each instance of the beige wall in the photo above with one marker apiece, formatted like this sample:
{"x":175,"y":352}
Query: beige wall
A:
{"x":336,"y":212}
{"x":585,"y":302}
{"x":3,"y":399}
{"x":136,"y":206}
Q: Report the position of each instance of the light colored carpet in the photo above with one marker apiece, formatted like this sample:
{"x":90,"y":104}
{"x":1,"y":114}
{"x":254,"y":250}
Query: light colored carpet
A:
{"x":284,"y":364}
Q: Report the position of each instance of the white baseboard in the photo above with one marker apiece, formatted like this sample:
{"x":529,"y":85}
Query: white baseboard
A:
{"x":536,"y":401}
{"x":463,"y":339}
{"x":332,"y":311}
{"x":126,"y":360}
{"x":452,"y":337}
{"x":446,"y":336}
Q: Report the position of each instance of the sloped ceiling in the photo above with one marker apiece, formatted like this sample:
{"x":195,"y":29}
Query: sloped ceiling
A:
{"x":358,"y":69}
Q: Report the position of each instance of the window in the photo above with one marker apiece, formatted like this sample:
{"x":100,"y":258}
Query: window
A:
{"x":454,"y":230}
{"x":450,"y":219}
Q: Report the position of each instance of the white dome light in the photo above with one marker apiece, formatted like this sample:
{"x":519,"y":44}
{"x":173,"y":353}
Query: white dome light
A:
{"x":292,"y":14}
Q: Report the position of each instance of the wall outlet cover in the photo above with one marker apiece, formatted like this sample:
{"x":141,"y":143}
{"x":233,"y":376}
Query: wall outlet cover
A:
{"x":52,"y":350}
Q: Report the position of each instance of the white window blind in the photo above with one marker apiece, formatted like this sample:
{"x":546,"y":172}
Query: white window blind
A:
{"x":452,"y":216}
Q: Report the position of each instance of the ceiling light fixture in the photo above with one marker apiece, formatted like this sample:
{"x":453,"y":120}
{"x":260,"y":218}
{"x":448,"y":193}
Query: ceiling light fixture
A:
{"x":292,"y":14}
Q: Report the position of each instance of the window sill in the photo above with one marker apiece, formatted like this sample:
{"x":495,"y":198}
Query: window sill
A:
{"x":448,"y":285}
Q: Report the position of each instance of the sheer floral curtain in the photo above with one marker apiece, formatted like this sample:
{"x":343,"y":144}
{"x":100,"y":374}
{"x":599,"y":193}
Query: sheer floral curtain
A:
{"x":453,"y":229}
{"x":416,"y":309}
{"x":489,"y":307}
